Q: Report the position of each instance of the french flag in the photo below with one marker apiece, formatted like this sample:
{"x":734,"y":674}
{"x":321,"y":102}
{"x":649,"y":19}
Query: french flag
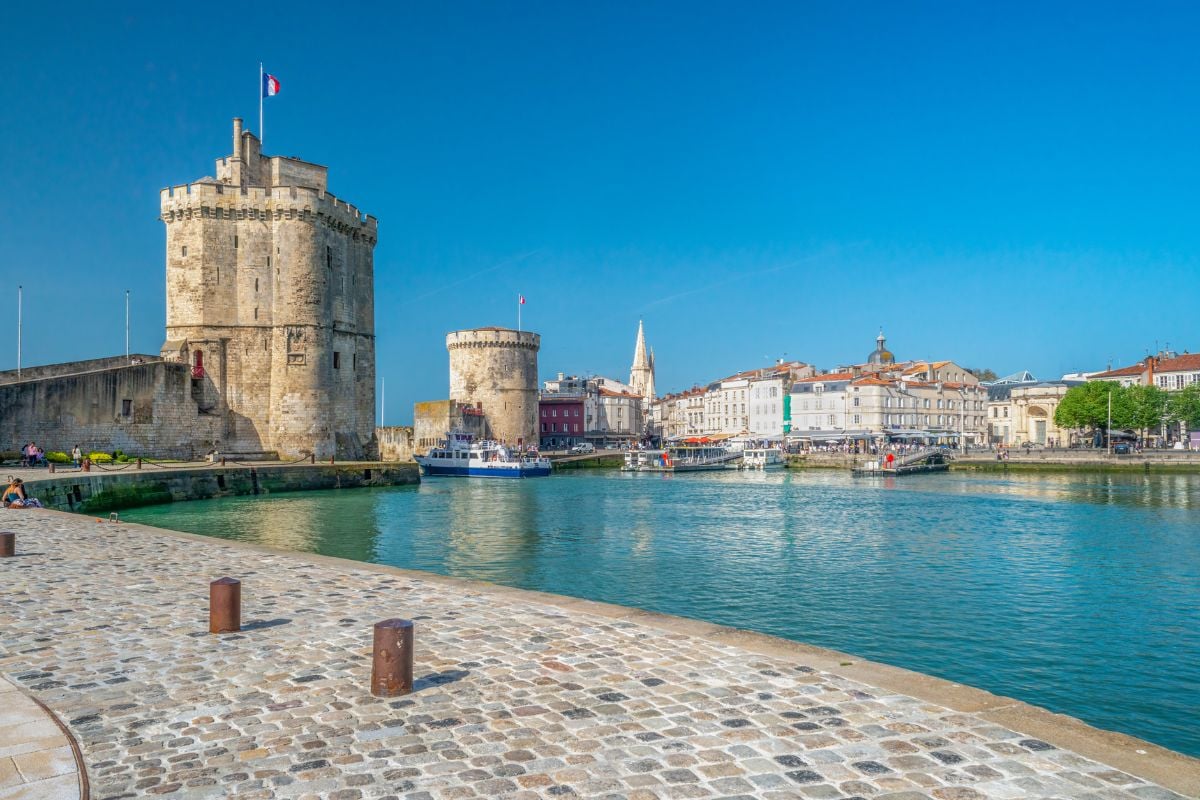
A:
{"x":270,"y":86}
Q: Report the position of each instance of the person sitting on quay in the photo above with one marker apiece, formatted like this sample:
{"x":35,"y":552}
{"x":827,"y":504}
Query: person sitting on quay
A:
{"x":34,"y":456}
{"x":15,"y":496}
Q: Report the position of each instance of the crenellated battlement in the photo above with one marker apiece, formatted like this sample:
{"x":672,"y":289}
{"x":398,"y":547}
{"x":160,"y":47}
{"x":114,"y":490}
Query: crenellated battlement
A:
{"x":224,"y":201}
{"x":493,"y":337}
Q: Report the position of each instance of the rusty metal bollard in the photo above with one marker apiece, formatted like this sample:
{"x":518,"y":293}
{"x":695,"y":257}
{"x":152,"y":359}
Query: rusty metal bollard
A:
{"x":139,"y":463}
{"x":392,"y":659}
{"x":51,"y":467}
{"x":225,"y":606}
{"x":312,"y":458}
{"x":331,"y":461}
{"x":87,"y":465}
{"x":8,"y":545}
{"x":222,"y":461}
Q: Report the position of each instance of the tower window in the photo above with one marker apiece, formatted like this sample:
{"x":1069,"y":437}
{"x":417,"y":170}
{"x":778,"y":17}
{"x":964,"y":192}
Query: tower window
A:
{"x":256,"y":284}
{"x":268,"y":262}
{"x":185,"y":251}
{"x":354,"y":361}
{"x":337,"y":360}
{"x":235,"y":241}
{"x":256,"y":312}
{"x":218,"y":274}
{"x":126,"y":408}
{"x":329,"y":257}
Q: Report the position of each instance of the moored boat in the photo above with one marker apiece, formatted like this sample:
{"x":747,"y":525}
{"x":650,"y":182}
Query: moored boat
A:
{"x":762,"y":458}
{"x":680,"y":458}
{"x":460,"y":456}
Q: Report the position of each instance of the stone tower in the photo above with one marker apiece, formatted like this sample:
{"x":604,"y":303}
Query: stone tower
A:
{"x":496,"y":369}
{"x":641,"y":375}
{"x":270,"y":298}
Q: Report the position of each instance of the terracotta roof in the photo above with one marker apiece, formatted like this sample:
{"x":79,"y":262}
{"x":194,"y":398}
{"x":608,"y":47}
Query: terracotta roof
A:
{"x":1188,"y":362}
{"x":1132,"y":369}
{"x":610,"y":393}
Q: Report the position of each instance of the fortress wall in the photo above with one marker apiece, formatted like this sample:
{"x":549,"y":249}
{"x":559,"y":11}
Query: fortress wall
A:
{"x":89,"y":409}
{"x":395,"y":442}
{"x":72,"y":367}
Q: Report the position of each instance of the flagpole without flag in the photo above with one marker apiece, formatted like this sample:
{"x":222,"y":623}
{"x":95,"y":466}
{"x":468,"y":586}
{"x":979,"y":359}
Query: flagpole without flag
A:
{"x":126,"y":324}
{"x":261,"y":135}
{"x":20,"y":292}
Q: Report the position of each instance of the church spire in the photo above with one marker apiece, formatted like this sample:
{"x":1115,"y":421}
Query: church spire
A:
{"x":640,"y":359}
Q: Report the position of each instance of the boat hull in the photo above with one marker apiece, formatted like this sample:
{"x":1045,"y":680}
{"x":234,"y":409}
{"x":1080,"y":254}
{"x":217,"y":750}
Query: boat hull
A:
{"x":439,"y":471}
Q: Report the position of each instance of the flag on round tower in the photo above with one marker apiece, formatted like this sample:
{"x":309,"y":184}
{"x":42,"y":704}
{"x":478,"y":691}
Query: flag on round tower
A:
{"x":522,"y":299}
{"x":270,"y":86}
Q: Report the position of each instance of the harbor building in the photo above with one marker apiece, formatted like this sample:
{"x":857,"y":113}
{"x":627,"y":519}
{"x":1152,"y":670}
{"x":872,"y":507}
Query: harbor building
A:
{"x":600,"y":411}
{"x":270,"y":301}
{"x":1022,"y":412}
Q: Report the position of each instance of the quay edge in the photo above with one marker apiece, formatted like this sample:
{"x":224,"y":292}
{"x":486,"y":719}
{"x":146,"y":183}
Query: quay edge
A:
{"x":97,"y":491}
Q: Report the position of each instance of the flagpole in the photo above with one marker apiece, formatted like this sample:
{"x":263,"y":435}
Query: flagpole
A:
{"x":518,"y":313}
{"x":20,"y":292}
{"x":126,"y":324}
{"x":261,"y":134}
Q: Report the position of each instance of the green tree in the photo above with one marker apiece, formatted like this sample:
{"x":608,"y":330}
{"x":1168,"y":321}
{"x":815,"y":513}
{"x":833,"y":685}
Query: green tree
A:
{"x":1184,"y":406}
{"x":983,"y":374}
{"x":1146,"y":407}
{"x":1086,"y":406}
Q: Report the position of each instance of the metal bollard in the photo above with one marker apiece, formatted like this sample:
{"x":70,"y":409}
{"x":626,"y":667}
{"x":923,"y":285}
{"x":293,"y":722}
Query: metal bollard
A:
{"x":87,"y":465}
{"x":392,"y":660}
{"x":225,"y":606}
{"x":139,"y":463}
{"x":8,"y":545}
{"x":51,"y":467}
{"x":312,"y":458}
{"x":222,"y":461}
{"x":331,"y":461}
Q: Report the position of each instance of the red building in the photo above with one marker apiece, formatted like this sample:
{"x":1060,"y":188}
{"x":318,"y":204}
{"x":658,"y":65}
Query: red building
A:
{"x":561,"y":422}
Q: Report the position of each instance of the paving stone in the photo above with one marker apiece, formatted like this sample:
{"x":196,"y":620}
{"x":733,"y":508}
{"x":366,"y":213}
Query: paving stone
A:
{"x":514,"y":698}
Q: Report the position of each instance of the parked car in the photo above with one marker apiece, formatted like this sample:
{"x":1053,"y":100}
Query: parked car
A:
{"x":584,"y":447}
{"x":1122,"y":449}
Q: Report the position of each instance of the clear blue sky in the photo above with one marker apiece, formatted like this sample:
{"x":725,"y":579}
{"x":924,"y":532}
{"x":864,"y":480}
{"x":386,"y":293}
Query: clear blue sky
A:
{"x":1010,"y":185}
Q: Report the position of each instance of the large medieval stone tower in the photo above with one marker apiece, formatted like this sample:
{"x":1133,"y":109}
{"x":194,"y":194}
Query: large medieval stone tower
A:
{"x":270,"y":297}
{"x":496,"y":370}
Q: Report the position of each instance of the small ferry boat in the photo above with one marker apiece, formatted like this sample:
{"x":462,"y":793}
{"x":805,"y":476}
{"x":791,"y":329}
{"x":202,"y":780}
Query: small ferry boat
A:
{"x":762,"y":458}
{"x":460,"y":456}
{"x":685,"y":458}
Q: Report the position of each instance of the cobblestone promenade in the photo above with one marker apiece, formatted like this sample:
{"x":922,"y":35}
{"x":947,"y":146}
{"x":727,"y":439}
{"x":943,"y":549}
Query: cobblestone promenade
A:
{"x":516,"y":698}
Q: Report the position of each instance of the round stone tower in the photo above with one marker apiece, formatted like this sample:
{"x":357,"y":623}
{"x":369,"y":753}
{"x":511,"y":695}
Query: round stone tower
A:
{"x":496,"y":369}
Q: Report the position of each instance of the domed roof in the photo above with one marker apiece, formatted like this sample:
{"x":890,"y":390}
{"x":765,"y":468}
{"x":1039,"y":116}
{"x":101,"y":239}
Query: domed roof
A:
{"x":881,"y":355}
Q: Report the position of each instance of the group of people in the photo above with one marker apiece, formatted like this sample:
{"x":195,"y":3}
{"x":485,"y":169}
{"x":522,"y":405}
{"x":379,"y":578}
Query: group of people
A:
{"x":15,"y":496}
{"x":34,"y":456}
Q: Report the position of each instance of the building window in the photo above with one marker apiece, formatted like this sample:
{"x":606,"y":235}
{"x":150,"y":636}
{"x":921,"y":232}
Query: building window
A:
{"x":126,"y":408}
{"x":543,"y":427}
{"x":577,"y":427}
{"x":337,"y":360}
{"x":856,"y":399}
{"x":554,"y":412}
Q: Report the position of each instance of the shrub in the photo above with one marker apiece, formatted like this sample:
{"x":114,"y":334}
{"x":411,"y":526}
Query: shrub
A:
{"x":100,"y":458}
{"x":58,"y":458}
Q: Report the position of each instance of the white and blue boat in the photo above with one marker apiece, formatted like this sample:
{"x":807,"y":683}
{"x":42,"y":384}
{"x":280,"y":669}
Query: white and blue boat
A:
{"x":460,"y":456}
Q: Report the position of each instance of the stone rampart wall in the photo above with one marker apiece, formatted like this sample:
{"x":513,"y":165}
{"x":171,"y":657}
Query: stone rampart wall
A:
{"x":72,"y":367}
{"x":145,"y":409}
{"x":395,"y":442}
{"x":93,"y":492}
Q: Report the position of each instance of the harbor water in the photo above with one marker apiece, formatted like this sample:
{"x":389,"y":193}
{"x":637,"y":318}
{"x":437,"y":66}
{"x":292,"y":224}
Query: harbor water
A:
{"x":1080,"y":593}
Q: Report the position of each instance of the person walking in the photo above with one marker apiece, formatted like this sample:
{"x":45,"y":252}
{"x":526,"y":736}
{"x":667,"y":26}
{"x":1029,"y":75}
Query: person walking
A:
{"x":77,"y":456}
